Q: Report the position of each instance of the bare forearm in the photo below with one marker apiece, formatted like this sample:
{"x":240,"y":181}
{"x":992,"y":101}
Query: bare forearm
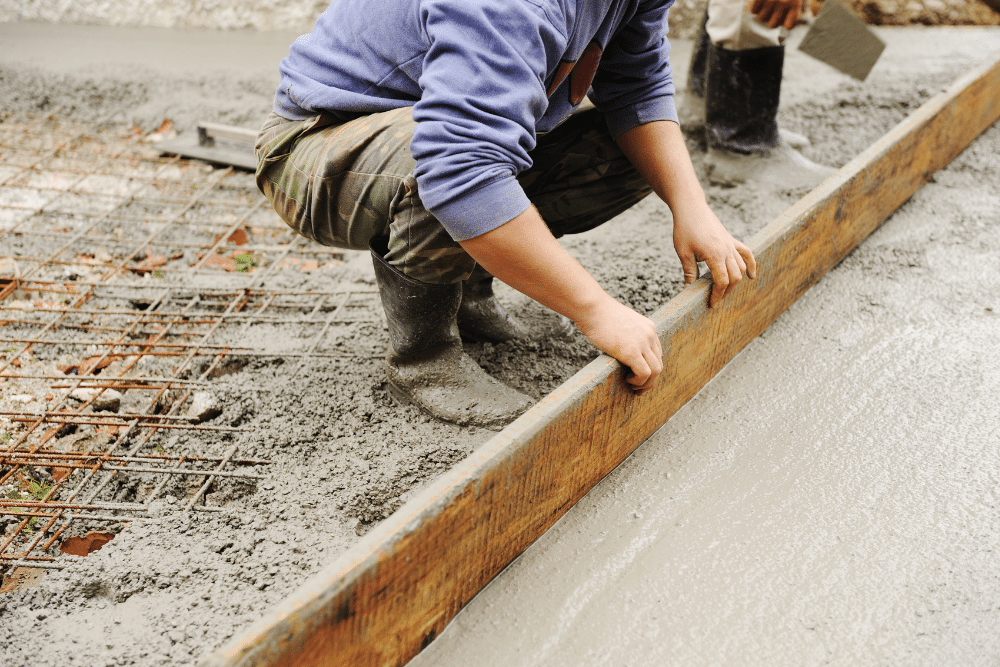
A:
{"x":658,"y":152}
{"x":524,"y":254}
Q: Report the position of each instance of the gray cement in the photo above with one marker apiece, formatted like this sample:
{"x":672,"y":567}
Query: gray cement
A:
{"x":830,"y":498}
{"x":173,"y":587}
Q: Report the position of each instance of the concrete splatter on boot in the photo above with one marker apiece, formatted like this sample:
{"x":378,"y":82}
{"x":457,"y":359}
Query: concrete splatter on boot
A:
{"x":780,"y":168}
{"x":426,"y":365}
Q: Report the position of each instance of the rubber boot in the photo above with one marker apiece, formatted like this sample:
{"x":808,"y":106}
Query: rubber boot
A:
{"x":691,"y":106}
{"x":742,"y":89}
{"x":426,"y":365}
{"x":480,"y":316}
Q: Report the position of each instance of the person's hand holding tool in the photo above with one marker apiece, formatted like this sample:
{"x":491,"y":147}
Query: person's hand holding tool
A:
{"x":777,"y":12}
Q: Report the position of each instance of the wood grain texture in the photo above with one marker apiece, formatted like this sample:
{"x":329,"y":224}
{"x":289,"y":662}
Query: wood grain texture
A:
{"x":382,"y":601}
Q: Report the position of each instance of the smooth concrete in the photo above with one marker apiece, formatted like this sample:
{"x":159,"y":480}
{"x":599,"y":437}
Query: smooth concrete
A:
{"x":831,"y":498}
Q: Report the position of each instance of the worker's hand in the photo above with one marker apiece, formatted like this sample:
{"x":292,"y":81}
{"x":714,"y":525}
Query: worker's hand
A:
{"x":700,"y":237}
{"x":776,"y":12}
{"x":627,"y":336}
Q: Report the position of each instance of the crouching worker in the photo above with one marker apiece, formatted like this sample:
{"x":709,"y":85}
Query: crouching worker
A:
{"x":440,"y":135}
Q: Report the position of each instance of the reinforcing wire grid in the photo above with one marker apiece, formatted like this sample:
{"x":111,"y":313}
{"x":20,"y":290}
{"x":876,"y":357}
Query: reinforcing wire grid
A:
{"x":128,"y":283}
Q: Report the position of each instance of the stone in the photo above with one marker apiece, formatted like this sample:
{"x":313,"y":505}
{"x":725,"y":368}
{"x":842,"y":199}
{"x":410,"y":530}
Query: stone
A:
{"x":204,"y":406}
{"x":109,"y":399}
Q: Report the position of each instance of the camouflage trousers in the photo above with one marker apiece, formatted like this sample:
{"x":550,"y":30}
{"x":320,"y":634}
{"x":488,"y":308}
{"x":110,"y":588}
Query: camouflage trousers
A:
{"x":343,"y":183}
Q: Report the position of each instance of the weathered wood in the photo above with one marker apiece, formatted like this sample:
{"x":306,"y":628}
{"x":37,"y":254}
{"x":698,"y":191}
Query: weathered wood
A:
{"x":398,"y":588}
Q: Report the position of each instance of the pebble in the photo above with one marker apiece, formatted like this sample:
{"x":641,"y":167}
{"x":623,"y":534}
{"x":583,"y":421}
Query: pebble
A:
{"x":109,"y":399}
{"x":204,"y":406}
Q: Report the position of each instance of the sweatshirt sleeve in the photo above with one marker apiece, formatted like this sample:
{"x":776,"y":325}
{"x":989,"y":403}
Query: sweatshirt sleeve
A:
{"x":482,"y":93}
{"x":634,"y":84}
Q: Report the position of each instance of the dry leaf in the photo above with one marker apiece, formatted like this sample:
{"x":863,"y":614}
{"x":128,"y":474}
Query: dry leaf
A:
{"x":88,"y":365}
{"x":239,"y":237}
{"x":220,"y":262}
{"x":150,"y":263}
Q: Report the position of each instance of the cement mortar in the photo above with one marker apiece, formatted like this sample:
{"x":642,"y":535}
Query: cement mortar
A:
{"x":831,"y":498}
{"x":168,"y":589}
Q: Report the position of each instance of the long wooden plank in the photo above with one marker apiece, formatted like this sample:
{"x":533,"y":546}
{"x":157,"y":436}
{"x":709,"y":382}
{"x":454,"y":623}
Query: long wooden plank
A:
{"x":388,"y":596}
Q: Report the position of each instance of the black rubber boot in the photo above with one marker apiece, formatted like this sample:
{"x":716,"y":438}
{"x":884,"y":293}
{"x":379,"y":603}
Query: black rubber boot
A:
{"x":426,"y":365}
{"x":742,"y":89}
{"x":480,"y":316}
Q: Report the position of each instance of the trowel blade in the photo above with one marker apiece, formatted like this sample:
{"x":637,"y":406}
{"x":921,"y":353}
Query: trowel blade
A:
{"x":841,"y":39}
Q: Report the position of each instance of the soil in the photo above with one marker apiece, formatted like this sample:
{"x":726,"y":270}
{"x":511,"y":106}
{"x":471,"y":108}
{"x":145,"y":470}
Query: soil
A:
{"x":172,"y":587}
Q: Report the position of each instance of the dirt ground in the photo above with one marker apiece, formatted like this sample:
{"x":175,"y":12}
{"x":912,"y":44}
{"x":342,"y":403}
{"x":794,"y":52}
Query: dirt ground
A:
{"x":175,"y":586}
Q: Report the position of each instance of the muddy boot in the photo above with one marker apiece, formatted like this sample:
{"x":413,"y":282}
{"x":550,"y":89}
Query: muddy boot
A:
{"x":480,"y":316}
{"x":742,"y":89}
{"x":691,"y":102}
{"x":426,"y":365}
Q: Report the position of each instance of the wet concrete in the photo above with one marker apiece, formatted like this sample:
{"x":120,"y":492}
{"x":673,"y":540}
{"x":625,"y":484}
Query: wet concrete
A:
{"x":830,"y":498}
{"x":346,"y":456}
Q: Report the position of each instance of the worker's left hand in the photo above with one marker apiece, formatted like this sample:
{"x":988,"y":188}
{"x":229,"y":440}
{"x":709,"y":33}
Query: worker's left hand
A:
{"x":700,"y":237}
{"x":776,"y":12}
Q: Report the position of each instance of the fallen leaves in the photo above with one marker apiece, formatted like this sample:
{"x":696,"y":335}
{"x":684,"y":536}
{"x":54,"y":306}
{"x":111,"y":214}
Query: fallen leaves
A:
{"x":238,"y":237}
{"x":215,"y":261}
{"x":89,"y":365}
{"x":154,"y":261}
{"x":163,"y":132}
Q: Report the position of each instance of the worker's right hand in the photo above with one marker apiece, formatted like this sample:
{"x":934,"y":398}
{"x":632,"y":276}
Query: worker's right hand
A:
{"x":627,"y":336}
{"x":776,"y":12}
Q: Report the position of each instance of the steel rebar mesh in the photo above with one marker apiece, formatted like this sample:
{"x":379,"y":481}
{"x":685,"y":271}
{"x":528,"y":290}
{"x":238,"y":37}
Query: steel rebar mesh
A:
{"x":127,"y":282}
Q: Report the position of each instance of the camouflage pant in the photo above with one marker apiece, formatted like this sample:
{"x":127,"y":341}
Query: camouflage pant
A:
{"x":343,"y":183}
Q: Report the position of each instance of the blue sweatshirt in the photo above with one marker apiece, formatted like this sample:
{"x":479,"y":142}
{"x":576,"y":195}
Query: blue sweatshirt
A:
{"x":483,"y":77}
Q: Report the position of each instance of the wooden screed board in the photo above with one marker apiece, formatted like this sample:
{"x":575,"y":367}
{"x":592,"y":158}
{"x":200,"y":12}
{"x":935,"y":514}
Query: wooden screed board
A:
{"x":393,"y":592}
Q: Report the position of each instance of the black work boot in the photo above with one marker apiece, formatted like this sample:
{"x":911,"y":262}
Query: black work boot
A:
{"x":426,"y":365}
{"x":742,"y":89}
{"x":480,"y":316}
